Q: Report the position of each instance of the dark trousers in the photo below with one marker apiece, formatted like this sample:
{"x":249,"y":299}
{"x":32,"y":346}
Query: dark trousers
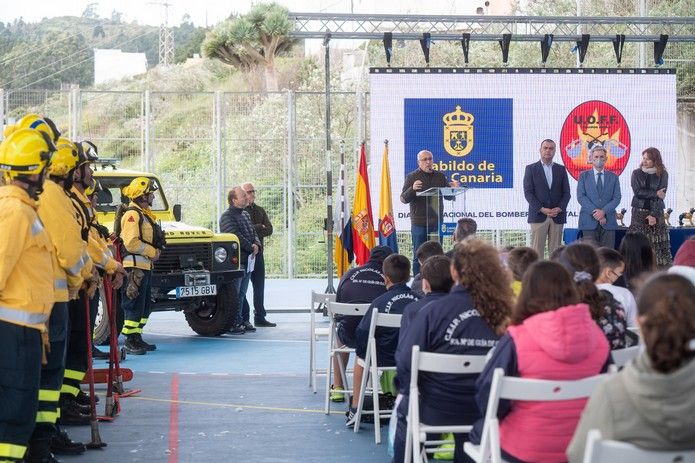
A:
{"x":258,"y":283}
{"x":242,"y":284}
{"x":20,"y":370}
{"x":600,"y":236}
{"x":402,"y":429}
{"x":137,"y":311}
{"x":52,"y":373}
{"x":76,"y":359}
{"x":420,"y":234}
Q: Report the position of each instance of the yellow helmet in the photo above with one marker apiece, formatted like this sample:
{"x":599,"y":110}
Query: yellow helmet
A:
{"x":34,"y":121}
{"x":64,"y":160}
{"x":139,"y":186}
{"x":25,"y":152}
{"x":87,"y":152}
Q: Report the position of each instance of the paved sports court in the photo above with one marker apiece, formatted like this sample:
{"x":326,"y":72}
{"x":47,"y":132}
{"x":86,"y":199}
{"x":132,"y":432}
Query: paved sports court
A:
{"x":234,"y":398}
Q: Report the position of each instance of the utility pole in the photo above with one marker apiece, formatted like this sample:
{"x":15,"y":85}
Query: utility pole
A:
{"x":166,"y":36}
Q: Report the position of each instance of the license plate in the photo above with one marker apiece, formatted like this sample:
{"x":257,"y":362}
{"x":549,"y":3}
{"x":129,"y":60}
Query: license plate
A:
{"x":196,"y":291}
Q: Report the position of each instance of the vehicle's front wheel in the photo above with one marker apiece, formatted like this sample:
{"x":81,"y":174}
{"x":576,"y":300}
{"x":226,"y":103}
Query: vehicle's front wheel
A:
{"x":101,"y":333}
{"x":215,"y":315}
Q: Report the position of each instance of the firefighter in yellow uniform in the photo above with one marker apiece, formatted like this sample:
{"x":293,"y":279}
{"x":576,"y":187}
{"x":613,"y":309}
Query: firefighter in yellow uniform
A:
{"x":27,"y":283}
{"x":97,"y":246}
{"x":72,"y":397}
{"x":143,"y":241}
{"x":62,"y":223}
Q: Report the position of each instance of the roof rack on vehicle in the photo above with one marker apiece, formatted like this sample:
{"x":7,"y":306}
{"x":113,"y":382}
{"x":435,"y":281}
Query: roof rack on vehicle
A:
{"x":107,"y":162}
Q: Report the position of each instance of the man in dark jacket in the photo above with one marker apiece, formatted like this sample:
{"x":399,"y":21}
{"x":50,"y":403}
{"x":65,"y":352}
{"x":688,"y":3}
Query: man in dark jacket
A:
{"x":394,"y":301}
{"x":263,"y":228}
{"x":547,"y":190}
{"x":236,"y":220}
{"x":359,"y":285}
{"x":424,"y":219}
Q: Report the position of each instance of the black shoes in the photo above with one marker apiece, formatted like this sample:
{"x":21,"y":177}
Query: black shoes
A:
{"x":263,"y":323}
{"x":133,"y":347}
{"x":39,"y":451}
{"x":61,"y":444}
{"x":72,"y":413}
{"x":145,"y":345}
{"x":249,"y":327}
{"x":238,"y":329}
{"x":99,"y":355}
{"x":83,"y":399}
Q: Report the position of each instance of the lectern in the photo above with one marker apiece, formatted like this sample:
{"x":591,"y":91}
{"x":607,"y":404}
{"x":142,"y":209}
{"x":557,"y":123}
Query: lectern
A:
{"x":434,"y":212}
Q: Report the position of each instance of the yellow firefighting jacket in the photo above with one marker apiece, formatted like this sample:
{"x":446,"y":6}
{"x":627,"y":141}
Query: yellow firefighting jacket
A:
{"x":26,"y":266}
{"x":138,"y":242}
{"x":61,"y":221}
{"x":82,"y":217}
{"x":97,"y":246}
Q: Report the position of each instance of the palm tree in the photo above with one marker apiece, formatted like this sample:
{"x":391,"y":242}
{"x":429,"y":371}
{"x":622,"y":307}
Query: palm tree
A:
{"x":252,"y":40}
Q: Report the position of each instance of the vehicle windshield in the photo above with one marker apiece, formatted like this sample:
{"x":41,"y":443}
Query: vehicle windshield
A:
{"x":110,"y":197}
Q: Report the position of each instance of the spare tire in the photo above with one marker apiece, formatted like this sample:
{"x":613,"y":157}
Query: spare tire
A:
{"x":215,"y":315}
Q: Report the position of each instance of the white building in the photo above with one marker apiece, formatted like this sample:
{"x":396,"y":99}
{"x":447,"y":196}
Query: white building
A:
{"x":114,"y":65}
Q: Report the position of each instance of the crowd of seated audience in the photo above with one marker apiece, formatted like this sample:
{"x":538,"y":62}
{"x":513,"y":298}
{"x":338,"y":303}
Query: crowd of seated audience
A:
{"x":557,"y":320}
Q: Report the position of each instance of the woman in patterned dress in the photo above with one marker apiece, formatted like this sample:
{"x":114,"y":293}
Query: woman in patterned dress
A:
{"x":649,"y":183}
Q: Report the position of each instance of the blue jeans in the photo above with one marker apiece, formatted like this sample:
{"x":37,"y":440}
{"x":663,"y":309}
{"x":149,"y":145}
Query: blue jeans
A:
{"x":242,"y":284}
{"x":420,"y":234}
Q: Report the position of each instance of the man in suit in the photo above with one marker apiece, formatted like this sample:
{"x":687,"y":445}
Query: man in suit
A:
{"x":598,"y":193}
{"x":547,"y":190}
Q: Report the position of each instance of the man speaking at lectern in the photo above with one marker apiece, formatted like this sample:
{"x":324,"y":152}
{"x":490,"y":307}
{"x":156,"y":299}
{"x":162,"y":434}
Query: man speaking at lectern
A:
{"x":422,"y":221}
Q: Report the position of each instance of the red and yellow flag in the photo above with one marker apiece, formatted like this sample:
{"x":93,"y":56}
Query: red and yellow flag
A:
{"x":387,"y":226}
{"x":362,"y":222}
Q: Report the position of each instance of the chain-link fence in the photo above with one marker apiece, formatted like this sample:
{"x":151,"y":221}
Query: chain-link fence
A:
{"x":203,"y":143}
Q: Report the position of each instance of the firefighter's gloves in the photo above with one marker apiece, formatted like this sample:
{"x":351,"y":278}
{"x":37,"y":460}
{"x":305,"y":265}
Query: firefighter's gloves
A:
{"x":134,"y":281}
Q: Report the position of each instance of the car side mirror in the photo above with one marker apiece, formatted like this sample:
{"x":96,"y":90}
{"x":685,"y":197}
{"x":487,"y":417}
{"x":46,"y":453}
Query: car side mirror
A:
{"x":177,"y":212}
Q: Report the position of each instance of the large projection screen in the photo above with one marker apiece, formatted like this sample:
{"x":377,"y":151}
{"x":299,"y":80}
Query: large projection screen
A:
{"x":484,"y":126}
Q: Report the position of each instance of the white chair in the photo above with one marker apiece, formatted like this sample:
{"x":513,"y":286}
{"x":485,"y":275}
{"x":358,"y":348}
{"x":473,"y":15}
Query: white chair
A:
{"x":339,"y":308}
{"x":622,"y":356}
{"x":318,"y":300}
{"x":431,"y":362}
{"x":372,"y":371}
{"x":609,"y":451}
{"x":522,"y":389}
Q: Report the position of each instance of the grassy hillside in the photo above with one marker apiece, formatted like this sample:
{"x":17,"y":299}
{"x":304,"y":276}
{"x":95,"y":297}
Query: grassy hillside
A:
{"x":58,"y":51}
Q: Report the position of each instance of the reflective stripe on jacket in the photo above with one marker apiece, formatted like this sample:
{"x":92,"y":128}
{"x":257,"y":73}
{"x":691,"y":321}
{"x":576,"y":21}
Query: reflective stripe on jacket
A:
{"x":97,"y":247}
{"x":61,"y":221}
{"x":140,"y":252}
{"x":27,"y":276}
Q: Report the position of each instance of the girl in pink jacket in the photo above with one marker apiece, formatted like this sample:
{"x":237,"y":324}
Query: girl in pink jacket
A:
{"x":552,"y":337}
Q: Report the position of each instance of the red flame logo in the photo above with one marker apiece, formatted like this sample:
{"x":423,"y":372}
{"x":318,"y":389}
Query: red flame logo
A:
{"x":594,"y":123}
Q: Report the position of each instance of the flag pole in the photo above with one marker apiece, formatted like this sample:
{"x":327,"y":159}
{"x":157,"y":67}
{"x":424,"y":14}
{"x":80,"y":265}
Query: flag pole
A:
{"x":341,"y":182}
{"x":329,"y":173}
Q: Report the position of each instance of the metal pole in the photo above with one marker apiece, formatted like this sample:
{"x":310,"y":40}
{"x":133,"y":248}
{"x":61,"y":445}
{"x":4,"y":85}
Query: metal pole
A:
{"x":2,"y":111}
{"x":73,"y":113}
{"x":148,"y":154}
{"x":579,"y":27}
{"x":219,"y":178}
{"x":329,"y":172}
{"x":289,"y":190}
{"x":142,"y":127}
{"x":642,"y":49}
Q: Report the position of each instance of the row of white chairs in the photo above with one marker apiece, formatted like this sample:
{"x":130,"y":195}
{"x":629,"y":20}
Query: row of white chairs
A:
{"x":417,"y":445}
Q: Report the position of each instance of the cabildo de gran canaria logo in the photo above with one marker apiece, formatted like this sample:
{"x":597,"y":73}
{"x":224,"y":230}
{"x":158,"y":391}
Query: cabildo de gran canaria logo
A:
{"x":458,"y":132}
{"x":471,"y":139}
